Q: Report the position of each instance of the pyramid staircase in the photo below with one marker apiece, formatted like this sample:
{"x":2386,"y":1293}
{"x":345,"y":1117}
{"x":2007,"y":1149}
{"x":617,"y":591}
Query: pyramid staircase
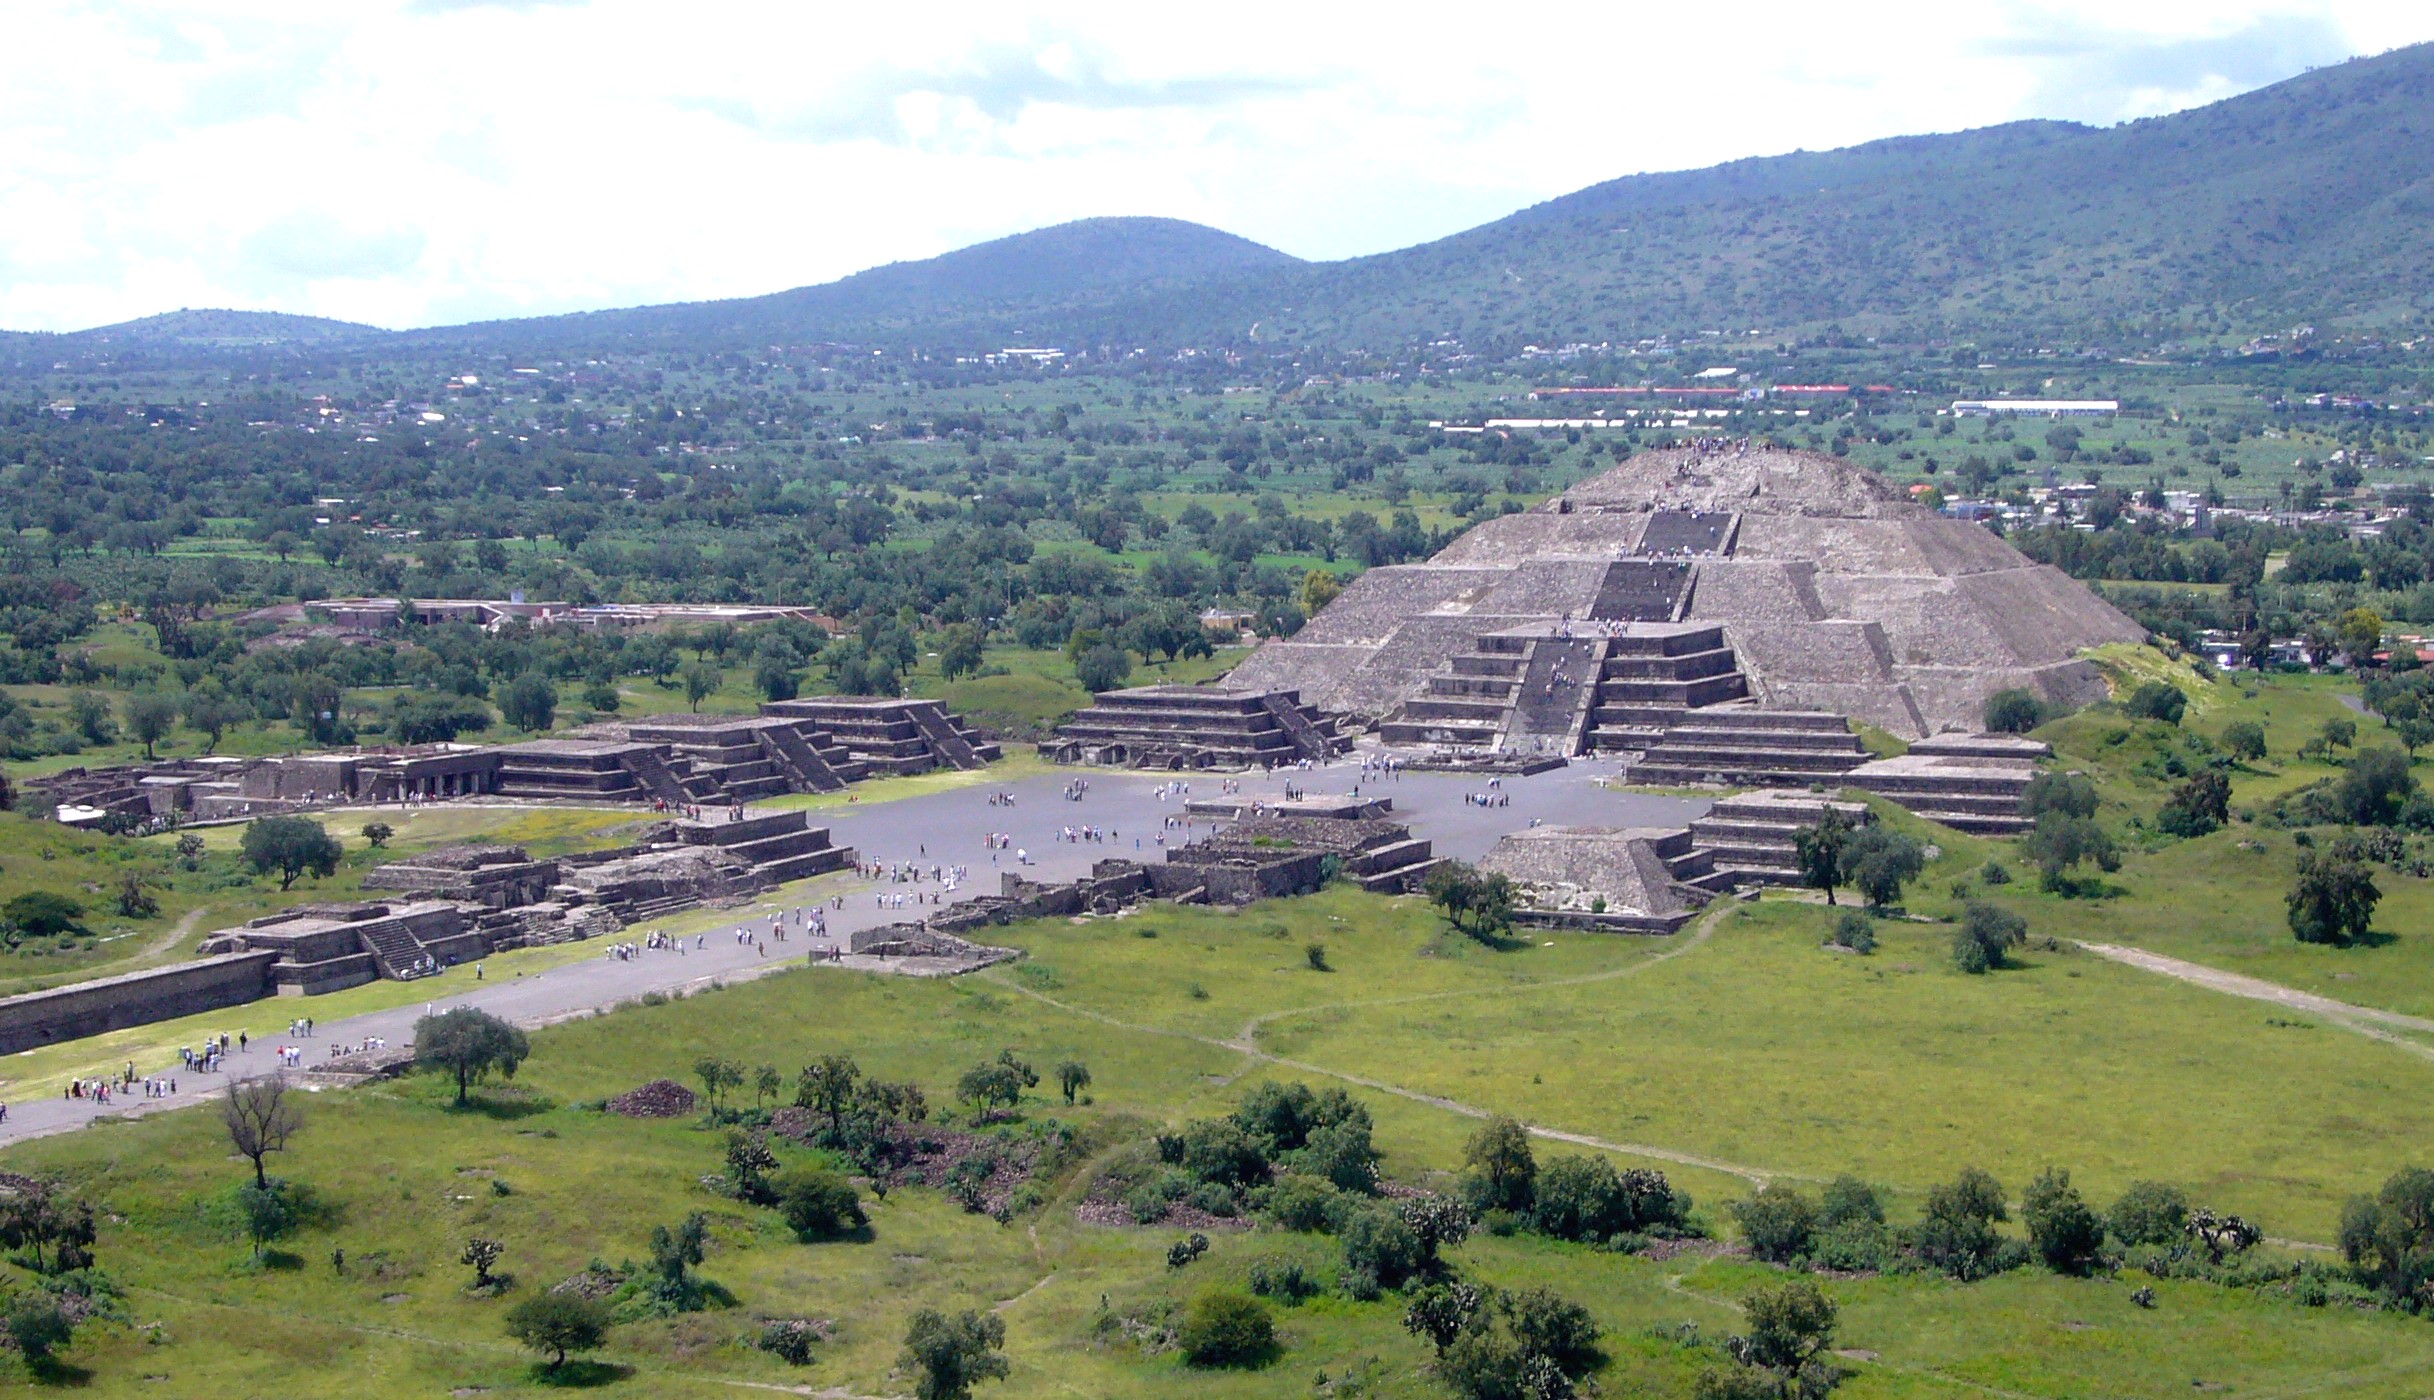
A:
{"x":780,"y":846}
{"x":396,"y":952}
{"x":1750,"y":839}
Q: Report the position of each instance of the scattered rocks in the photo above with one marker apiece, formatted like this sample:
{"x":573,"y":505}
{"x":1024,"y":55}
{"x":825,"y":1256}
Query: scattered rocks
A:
{"x":661,"y":1098}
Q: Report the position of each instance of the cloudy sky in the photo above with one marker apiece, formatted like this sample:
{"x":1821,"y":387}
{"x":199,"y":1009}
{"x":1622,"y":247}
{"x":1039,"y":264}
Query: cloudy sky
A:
{"x":417,"y":162}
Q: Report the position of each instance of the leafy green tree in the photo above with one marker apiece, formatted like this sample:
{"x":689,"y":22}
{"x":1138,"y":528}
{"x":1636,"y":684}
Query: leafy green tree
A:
{"x":1877,"y":861}
{"x":1791,"y":1326}
{"x":150,"y":716}
{"x":265,"y":1212}
{"x":2157,"y":700}
{"x":749,"y":1163}
{"x":960,"y":653}
{"x":1955,"y":1232}
{"x":2064,"y":1231}
{"x":777,"y":673}
{"x":1818,"y":851}
{"x":2202,"y":803}
{"x":1502,"y":1170}
{"x":1072,"y":1076}
{"x":2052,"y":791}
{"x":1102,"y":668}
{"x":700,"y":679}
{"x":289,"y":847}
{"x":950,"y":1355}
{"x":1223,"y":1328}
{"x":2333,"y":899}
{"x":469,"y":1044}
{"x":2244,"y":739}
{"x":828,"y":1088}
{"x":1380,"y":1246}
{"x":377,"y":834}
{"x":717,"y":1076}
{"x":2060,"y":842}
{"x":2373,"y":789}
{"x":482,"y":1255}
{"x":559,"y":1323}
{"x":2338,"y":733}
{"x":2388,"y":1238}
{"x":1442,"y":1312}
{"x":44,"y":913}
{"x":38,"y":1325}
{"x":529,"y":702}
{"x":990,"y":1087}
{"x":53,"y":1228}
{"x":1475,"y":904}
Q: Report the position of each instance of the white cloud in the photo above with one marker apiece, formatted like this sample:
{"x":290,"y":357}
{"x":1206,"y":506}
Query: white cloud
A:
{"x":421,"y":161}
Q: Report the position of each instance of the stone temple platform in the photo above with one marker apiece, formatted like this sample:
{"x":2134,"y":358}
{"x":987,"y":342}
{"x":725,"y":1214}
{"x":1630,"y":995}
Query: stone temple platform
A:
{"x":1181,"y":727}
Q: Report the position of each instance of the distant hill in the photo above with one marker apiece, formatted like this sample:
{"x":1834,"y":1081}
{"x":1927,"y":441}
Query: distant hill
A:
{"x":228,"y":328}
{"x":1048,"y":276}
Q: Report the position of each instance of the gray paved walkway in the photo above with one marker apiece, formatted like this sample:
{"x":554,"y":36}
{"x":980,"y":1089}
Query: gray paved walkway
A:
{"x":944,"y":828}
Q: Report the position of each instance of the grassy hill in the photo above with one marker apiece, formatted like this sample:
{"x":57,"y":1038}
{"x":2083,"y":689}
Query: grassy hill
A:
{"x":220,"y":328}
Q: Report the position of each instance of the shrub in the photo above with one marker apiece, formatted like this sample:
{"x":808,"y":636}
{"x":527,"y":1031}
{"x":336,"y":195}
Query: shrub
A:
{"x":559,"y":1323}
{"x":2149,"y":1212}
{"x":1778,"y":1222}
{"x":1855,"y":931}
{"x":1955,"y":1233}
{"x":1315,"y":955}
{"x":788,"y":1339}
{"x":1995,"y":872}
{"x":1225,"y":1328}
{"x":819,"y":1204}
{"x":1379,"y":1244}
{"x":44,"y":914}
{"x":1503,"y":1171}
{"x":1304,"y":1203}
{"x":2013,"y":712}
{"x":1877,"y":861}
{"x":1186,"y":1250}
{"x":1283,"y":1279}
{"x":2388,"y":1238}
{"x":1986,"y":933}
{"x":2198,"y":806}
{"x":2156,"y":700}
{"x":1342,"y":1154}
{"x":2069,"y":793}
{"x":38,"y":1326}
{"x":2333,"y":900}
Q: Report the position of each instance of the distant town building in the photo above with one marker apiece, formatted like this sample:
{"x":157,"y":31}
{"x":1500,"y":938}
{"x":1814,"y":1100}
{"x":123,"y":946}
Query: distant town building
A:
{"x":2035,"y":408}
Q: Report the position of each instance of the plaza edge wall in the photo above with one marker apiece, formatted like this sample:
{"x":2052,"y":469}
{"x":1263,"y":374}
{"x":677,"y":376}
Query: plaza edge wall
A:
{"x":133,"y":999}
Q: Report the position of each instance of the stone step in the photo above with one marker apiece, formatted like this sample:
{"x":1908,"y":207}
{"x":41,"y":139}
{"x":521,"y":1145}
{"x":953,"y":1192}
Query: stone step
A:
{"x":1405,"y":879}
{"x":1826,"y":763}
{"x":1975,"y":823}
{"x":804,"y":866}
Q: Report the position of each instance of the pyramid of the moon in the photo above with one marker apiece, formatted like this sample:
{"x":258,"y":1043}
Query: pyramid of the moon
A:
{"x":1831,"y":591}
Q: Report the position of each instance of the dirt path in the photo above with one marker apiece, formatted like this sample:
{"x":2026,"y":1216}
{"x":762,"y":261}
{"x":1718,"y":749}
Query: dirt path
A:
{"x":176,"y":931}
{"x":2371,"y":1022}
{"x":1244,"y":1043}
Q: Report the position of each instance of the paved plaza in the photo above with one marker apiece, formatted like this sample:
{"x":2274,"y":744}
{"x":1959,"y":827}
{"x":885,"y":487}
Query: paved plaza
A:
{"x":938,"y":829}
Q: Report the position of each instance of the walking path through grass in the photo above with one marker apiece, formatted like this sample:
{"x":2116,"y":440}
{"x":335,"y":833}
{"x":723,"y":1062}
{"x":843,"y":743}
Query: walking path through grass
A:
{"x":1244,"y":1042}
{"x":2343,"y":1014}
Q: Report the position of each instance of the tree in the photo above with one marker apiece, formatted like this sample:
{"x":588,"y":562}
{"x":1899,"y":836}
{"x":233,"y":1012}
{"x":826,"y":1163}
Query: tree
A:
{"x":717,"y":1076}
{"x":150,"y":716}
{"x":2066,"y":1233}
{"x":1986,"y":934}
{"x":2359,"y":632}
{"x":2244,"y":739}
{"x":699,"y":679}
{"x":1955,"y":1232}
{"x":674,"y":1253}
{"x":2202,"y":803}
{"x":54,"y":1229}
{"x":2333,"y":900}
{"x":190,"y":850}
{"x":1226,"y":1328}
{"x":1503,"y":1171}
{"x":1818,"y":851}
{"x":1790,"y":1326}
{"x":469,"y":1044}
{"x":483,"y":1255}
{"x":2013,"y":712}
{"x":261,"y":1114}
{"x":1319,"y":588}
{"x":1102,"y":667}
{"x":989,"y":1087}
{"x":2068,"y":793}
{"x":818,"y":1204}
{"x":38,"y":1325}
{"x":1878,"y":861}
{"x":960,"y":653}
{"x":2060,"y":842}
{"x":2374,"y":788}
{"x":827,"y":1088}
{"x":91,"y":714}
{"x":2156,"y":700}
{"x":377,"y":834}
{"x":2220,"y":1234}
{"x":265,"y":1211}
{"x":529,"y":702}
{"x":1072,"y":1076}
{"x":950,"y":1355}
{"x":749,"y":1163}
{"x":777,"y":674}
{"x":133,"y":901}
{"x":289,"y":847}
{"x":559,"y":1323}
{"x":1441,"y":1312}
{"x":2388,"y":1238}
{"x":2338,"y":733}
{"x":1476,"y":904}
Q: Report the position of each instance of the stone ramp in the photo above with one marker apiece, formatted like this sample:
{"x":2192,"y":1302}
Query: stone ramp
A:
{"x":949,"y":745}
{"x":1305,"y":736}
{"x":796,"y":758}
{"x":1558,"y":689}
{"x":653,"y":773}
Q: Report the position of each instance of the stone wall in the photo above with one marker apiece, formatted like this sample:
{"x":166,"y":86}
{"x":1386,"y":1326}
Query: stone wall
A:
{"x":133,"y":999}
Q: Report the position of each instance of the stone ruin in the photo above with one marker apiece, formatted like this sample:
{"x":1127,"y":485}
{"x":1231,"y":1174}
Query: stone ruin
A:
{"x":673,"y":761}
{"x":1622,"y":880}
{"x":1185,"y":727}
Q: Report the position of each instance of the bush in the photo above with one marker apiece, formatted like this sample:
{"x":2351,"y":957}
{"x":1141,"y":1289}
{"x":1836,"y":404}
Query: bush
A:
{"x":559,"y":1323}
{"x":1377,"y":1243}
{"x":2333,"y":900}
{"x":1586,"y":1199}
{"x":2013,"y":712}
{"x":819,"y":1204}
{"x":1855,"y":931}
{"x":2156,"y":700}
{"x":1186,"y":1250}
{"x":2244,"y":739}
{"x":2149,"y":1212}
{"x":1225,"y":1328}
{"x":1877,"y":861}
{"x":44,"y":914}
{"x":1986,"y":933}
{"x":2067,"y":1235}
{"x":1778,"y":1222}
{"x":1995,"y":872}
{"x":1955,"y":1233}
{"x":1283,"y":1279}
{"x":1304,"y":1203}
{"x":2198,"y":806}
{"x":788,"y":1339}
{"x":2069,"y":793}
{"x":38,"y":1326}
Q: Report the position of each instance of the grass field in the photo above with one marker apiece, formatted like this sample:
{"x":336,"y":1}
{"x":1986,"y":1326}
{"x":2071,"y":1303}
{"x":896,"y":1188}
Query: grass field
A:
{"x":1749,"y":1042}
